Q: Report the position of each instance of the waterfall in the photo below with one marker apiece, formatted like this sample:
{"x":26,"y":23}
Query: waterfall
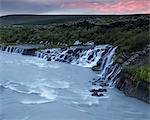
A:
{"x":85,"y":56}
{"x":101,"y":55}
{"x":12,"y":49}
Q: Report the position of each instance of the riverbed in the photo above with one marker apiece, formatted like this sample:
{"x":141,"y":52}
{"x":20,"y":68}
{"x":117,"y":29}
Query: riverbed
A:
{"x":35,"y":89}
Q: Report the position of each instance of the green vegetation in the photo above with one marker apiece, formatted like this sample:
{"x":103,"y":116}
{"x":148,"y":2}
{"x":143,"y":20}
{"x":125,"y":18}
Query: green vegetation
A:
{"x":38,"y":19}
{"x":128,"y":33}
{"x":6,"y":44}
{"x":128,"y":38}
{"x":96,"y":68}
{"x":142,"y":73}
{"x":59,"y":19}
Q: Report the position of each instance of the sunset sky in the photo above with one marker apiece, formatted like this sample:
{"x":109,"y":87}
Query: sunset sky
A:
{"x":74,"y":6}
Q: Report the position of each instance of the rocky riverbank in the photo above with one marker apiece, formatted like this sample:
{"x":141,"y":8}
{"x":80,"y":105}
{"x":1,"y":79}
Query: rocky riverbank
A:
{"x":139,"y":87}
{"x":101,"y":57}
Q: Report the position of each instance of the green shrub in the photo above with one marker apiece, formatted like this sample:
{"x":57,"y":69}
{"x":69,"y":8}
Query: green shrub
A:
{"x":142,"y":73}
{"x":127,"y":40}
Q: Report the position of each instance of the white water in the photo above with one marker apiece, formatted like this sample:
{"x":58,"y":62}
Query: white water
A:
{"x":80,"y":57}
{"x":102,"y":54}
{"x":34,"y":89}
{"x":85,"y":56}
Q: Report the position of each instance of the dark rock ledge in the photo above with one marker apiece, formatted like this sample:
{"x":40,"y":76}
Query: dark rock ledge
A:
{"x":139,"y":89}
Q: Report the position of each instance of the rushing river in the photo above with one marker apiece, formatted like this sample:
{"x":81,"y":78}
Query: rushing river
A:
{"x":34,"y":89}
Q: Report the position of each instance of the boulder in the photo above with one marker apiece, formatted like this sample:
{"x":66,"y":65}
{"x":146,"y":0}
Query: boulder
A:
{"x":97,"y":94}
{"x":99,"y":90}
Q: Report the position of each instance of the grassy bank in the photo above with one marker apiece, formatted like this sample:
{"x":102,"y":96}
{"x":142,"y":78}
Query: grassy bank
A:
{"x":139,"y":74}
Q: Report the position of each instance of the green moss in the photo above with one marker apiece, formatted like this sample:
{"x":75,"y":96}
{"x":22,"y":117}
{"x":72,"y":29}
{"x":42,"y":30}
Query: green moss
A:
{"x":95,"y":68}
{"x":6,"y":44}
{"x":142,"y":73}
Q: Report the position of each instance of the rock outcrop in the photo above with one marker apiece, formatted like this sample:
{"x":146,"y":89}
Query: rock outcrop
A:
{"x":22,"y":49}
{"x":139,"y":89}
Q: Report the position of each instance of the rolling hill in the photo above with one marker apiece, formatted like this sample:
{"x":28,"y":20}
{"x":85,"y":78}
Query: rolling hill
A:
{"x":56,"y":19}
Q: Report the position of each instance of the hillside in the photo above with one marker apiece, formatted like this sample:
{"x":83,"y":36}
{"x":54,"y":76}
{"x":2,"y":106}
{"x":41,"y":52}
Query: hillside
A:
{"x":51,"y":19}
{"x":129,"y":33}
{"x":36,"y":19}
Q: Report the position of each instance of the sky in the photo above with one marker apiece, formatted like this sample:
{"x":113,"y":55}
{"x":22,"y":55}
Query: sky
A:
{"x":45,"y":7}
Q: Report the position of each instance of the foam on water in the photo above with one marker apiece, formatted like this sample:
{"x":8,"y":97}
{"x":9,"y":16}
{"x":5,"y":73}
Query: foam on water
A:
{"x":87,"y":56}
{"x":52,"y":86}
{"x":33,"y":92}
{"x":28,"y":102}
{"x":49,"y":84}
{"x":41,"y":63}
{"x":49,"y":94}
{"x":58,"y":84}
{"x":18,"y":87}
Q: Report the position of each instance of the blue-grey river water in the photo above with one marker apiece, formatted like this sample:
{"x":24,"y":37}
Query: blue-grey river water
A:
{"x":34,"y":89}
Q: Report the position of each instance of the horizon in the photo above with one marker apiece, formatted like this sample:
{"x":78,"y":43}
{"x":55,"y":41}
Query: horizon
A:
{"x":74,"y":14}
{"x":74,"y":7}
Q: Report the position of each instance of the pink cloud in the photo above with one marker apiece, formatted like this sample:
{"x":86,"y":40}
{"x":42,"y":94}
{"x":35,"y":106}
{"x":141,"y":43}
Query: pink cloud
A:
{"x":119,"y":7}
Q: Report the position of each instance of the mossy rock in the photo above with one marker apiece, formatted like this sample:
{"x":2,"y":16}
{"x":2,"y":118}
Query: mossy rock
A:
{"x":141,"y":73}
{"x":96,"y":68}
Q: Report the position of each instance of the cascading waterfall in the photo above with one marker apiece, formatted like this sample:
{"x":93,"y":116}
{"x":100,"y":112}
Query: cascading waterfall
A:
{"x":12,"y":49}
{"x":101,"y":55}
{"x":86,"y":56}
